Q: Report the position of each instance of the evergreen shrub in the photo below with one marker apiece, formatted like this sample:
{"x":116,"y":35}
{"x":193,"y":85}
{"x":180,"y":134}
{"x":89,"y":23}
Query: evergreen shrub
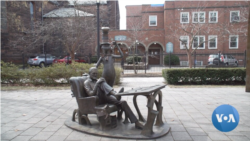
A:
{"x":137,"y":59}
{"x":205,"y":76}
{"x":174,"y":60}
{"x":52,"y":75}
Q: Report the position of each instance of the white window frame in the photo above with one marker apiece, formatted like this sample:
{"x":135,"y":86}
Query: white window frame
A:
{"x":182,"y":46}
{"x":199,"y":42}
{"x":231,"y":16}
{"x":236,"y":41}
{"x":215,"y":16}
{"x":151,"y":20}
{"x":210,"y":37}
{"x":181,"y":17}
{"x":198,"y":17}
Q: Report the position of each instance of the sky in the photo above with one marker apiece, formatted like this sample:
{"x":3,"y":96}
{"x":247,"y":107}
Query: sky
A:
{"x":123,"y":3}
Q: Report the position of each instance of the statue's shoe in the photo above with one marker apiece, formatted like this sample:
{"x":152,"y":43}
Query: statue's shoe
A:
{"x":121,"y":90}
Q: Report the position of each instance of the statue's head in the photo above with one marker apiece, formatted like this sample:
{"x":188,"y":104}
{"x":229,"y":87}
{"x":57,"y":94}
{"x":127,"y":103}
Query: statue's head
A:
{"x":106,"y":49}
{"x":105,"y":45}
{"x":93,"y":73}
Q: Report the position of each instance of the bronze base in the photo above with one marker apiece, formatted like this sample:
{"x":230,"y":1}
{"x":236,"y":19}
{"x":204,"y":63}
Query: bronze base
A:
{"x":122,"y":131}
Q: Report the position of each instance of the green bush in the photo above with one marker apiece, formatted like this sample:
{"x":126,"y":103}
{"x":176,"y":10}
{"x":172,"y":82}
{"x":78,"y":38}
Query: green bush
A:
{"x":52,"y":75}
{"x":205,"y":76}
{"x":94,"y":59}
{"x":10,"y":73}
{"x":56,"y":74}
{"x":174,"y":60}
{"x":137,"y":59}
{"x":118,"y":72}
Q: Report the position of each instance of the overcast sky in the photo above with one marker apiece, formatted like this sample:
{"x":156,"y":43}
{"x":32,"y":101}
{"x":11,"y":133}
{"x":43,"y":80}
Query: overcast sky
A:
{"x":123,"y":3}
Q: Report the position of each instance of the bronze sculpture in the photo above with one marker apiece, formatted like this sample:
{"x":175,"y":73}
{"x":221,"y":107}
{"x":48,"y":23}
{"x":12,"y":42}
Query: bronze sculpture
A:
{"x":107,"y":58}
{"x":106,"y":94}
{"x":96,"y":96}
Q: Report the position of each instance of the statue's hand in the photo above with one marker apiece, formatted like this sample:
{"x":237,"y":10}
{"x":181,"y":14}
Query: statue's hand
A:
{"x":100,"y":80}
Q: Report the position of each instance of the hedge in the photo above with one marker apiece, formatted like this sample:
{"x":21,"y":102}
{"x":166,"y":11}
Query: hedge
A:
{"x":174,"y":60}
{"x":52,"y":75}
{"x":205,"y":76}
{"x":137,"y":59}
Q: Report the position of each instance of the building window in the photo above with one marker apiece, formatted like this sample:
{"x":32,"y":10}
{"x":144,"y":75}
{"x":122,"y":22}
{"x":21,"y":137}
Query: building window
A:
{"x":184,"y":17}
{"x":152,"y":20}
{"x":234,"y":16}
{"x":198,"y":17}
{"x":213,"y":16}
{"x":233,"y":41}
{"x":212,"y":42}
{"x":199,"y":42}
{"x":184,"y":40}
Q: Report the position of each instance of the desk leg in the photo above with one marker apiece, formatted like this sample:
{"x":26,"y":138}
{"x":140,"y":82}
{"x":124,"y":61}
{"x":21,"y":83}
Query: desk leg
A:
{"x":159,"y":121}
{"x":148,"y":127}
{"x":141,"y":118}
{"x":159,"y":107}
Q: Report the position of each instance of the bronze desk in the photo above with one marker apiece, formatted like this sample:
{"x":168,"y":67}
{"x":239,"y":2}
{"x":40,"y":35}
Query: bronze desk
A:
{"x":151,"y":93}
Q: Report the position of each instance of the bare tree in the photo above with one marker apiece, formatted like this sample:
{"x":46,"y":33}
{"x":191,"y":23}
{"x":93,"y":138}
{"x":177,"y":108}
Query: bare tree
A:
{"x":194,"y":26}
{"x":74,"y":28}
{"x":32,"y":39}
{"x":75,"y":34}
{"x":137,"y":30}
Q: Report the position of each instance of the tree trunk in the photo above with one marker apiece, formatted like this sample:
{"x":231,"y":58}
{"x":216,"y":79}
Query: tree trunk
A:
{"x":134,"y":65}
{"x":190,"y":60}
{"x":72,"y":55}
{"x":134,"y":62}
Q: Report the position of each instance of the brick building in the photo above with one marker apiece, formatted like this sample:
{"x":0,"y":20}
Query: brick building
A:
{"x":157,"y":29}
{"x":17,"y":17}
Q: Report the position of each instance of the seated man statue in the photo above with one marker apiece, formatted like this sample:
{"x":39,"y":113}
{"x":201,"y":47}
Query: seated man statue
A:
{"x":106,"y":94}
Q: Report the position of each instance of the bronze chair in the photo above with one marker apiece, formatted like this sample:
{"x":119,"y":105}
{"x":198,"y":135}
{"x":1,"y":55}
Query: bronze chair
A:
{"x":88,"y":104}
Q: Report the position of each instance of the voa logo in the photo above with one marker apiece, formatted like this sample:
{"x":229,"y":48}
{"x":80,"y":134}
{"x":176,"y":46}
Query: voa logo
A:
{"x":225,"y":118}
{"x":230,"y":119}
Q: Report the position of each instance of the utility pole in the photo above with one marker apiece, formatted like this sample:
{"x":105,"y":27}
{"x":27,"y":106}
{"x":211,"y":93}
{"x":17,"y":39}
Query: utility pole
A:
{"x":42,"y":26}
{"x":248,"y":55}
{"x":98,"y":29}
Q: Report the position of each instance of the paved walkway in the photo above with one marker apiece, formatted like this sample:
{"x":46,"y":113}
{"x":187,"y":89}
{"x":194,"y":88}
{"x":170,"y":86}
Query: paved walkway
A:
{"x":40,"y":114}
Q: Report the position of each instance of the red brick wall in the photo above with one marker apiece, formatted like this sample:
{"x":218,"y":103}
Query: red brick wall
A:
{"x":133,"y":10}
{"x":19,"y":20}
{"x":148,"y":37}
{"x":169,"y":17}
{"x":223,"y":8}
{"x":141,"y":13}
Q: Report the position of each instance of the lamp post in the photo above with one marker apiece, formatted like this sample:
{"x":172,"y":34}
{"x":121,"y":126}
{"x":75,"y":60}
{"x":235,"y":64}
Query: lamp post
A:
{"x":98,"y":29}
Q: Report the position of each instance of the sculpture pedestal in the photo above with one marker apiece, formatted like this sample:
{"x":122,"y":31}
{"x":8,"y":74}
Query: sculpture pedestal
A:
{"x":122,"y":131}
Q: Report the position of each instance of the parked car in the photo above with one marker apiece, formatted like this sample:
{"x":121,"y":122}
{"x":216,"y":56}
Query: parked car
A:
{"x":39,"y":60}
{"x":224,"y":59}
{"x":67,"y":59}
{"x":211,"y":58}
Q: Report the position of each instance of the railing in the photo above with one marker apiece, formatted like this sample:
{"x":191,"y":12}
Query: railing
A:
{"x":142,"y":63}
{"x":154,"y":63}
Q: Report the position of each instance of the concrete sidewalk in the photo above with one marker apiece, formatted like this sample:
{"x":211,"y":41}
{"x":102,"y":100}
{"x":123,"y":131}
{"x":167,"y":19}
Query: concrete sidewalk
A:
{"x":37,"y":115}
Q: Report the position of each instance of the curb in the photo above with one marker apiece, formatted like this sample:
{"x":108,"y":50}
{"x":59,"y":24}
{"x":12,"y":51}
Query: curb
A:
{"x":143,"y":75}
